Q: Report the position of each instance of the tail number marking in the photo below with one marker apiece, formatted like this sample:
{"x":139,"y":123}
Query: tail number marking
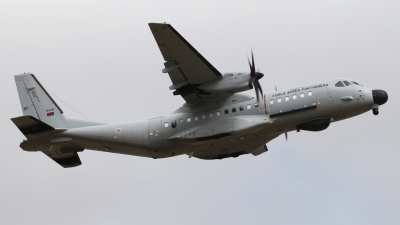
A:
{"x":35,"y":95}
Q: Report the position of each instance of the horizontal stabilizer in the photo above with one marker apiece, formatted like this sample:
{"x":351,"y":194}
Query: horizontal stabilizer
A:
{"x":62,"y":150}
{"x":32,"y":127}
{"x":66,"y":160}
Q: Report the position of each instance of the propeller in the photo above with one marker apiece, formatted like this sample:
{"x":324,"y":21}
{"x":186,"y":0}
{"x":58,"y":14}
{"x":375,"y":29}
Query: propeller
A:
{"x":254,"y":77}
{"x":286,"y":136}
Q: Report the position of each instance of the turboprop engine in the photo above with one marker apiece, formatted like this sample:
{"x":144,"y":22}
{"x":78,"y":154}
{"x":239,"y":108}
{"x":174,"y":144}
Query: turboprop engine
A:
{"x":230,"y":82}
{"x":236,"y":82}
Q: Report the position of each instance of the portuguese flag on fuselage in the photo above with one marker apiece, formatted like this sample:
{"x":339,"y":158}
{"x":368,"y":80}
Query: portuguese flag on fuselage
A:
{"x":50,"y":114}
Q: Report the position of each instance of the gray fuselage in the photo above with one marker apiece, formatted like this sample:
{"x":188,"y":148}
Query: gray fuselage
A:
{"x":226,"y":125}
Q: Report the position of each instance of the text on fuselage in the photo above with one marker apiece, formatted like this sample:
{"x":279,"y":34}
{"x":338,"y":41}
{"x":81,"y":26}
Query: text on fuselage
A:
{"x":295,"y":90}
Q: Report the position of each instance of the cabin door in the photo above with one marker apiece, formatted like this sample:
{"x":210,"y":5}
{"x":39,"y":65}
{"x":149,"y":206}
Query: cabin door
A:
{"x":323,"y":96}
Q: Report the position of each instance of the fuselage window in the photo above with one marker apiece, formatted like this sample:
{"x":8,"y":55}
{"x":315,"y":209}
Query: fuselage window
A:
{"x":271,"y":102}
{"x":226,"y":111}
{"x":339,"y":84}
{"x":309,"y":93}
{"x":181,"y":121}
{"x":218,"y":113}
{"x":346,"y":83}
{"x":203,"y":117}
{"x":286,"y":98}
{"x":211,"y":115}
{"x":302,"y":95}
{"x":189,"y":119}
{"x":233,"y":109}
{"x":173,"y":124}
{"x":196,"y":118}
{"x":166,"y":124}
{"x":241,"y":108}
{"x":248,"y":106}
{"x":294,"y":96}
{"x":279,"y":100}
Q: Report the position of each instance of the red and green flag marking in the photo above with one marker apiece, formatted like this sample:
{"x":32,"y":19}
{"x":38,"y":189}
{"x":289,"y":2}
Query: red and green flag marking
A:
{"x":50,"y":114}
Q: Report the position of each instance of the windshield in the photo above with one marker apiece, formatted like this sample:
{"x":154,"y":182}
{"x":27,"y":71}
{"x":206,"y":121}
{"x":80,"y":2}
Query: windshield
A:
{"x":346,"y":83}
{"x":339,"y":84}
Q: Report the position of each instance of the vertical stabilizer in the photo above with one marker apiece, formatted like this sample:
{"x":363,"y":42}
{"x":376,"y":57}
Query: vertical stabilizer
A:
{"x":36,"y":101}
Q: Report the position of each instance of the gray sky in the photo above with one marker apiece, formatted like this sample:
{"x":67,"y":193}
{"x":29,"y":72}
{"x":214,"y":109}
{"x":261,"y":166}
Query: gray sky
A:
{"x":101,"y":58}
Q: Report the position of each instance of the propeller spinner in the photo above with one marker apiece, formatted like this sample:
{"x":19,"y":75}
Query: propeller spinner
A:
{"x":254,"y":77}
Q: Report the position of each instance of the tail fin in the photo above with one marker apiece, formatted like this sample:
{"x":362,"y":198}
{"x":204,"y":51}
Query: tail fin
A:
{"x":36,"y":102}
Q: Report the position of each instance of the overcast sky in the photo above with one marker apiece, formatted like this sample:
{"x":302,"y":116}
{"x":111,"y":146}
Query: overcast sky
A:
{"x":102,"y":60}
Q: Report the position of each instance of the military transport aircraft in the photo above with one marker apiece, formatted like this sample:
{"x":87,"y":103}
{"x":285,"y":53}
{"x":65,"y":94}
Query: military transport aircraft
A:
{"x":217,"y":121}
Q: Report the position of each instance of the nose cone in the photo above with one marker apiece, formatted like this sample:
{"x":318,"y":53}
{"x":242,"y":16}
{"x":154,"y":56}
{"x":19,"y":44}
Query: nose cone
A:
{"x":380,"y":96}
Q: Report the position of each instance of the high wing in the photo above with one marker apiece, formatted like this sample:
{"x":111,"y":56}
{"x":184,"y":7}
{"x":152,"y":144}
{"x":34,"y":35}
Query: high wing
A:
{"x":186,"y":67}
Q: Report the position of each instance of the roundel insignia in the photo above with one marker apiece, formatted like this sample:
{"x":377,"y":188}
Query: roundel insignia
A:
{"x":118,"y":130}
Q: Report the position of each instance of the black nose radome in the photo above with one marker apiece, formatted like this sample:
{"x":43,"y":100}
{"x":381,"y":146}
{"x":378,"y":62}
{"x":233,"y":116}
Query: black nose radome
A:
{"x":380,"y":96}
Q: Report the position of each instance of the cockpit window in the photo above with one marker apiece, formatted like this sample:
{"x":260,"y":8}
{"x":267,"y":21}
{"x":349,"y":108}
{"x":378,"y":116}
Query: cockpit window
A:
{"x":356,"y":83}
{"x":346,"y":83}
{"x":339,"y":84}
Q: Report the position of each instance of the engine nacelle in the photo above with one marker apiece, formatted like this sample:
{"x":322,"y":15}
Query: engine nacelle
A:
{"x":230,"y":82}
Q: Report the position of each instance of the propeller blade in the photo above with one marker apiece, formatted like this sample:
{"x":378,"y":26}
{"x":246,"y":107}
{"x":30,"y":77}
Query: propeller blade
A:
{"x":253,"y":69}
{"x":254,"y":77}
{"x":286,"y":136}
{"x":258,"y":97}
{"x":253,"y":80}
{"x":276,"y":89}
{"x":250,"y":85}
{"x":261,"y":91}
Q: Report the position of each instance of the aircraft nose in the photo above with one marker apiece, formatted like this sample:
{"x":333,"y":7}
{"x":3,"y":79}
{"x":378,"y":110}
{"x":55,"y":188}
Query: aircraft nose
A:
{"x":380,"y":96}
